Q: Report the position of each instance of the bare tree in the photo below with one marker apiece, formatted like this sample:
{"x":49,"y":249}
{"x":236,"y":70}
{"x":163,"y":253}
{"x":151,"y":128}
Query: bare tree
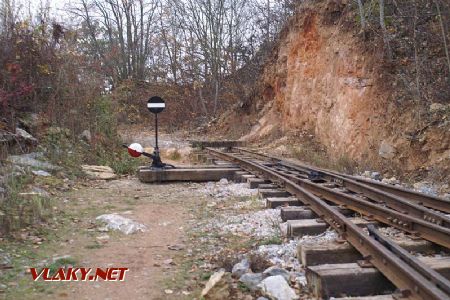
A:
{"x":120,"y":33}
{"x":444,"y":34}
{"x":362,"y":14}
{"x":8,"y":12}
{"x":384,"y":30}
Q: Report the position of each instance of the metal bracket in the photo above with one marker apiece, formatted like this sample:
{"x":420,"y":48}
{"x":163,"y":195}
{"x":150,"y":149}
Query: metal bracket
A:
{"x":364,"y":263}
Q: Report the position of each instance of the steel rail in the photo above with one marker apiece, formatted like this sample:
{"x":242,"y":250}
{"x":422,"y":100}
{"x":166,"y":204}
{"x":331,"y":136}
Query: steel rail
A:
{"x":377,"y":188}
{"x":418,"y":198}
{"x":427,"y":272}
{"x":400,"y":273}
{"x":385,"y":198}
{"x":429,"y":231}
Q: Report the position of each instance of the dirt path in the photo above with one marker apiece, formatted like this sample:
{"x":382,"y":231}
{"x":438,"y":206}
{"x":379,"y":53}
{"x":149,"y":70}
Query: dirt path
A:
{"x":165,"y":213}
{"x":154,"y":271}
{"x":214,"y":225}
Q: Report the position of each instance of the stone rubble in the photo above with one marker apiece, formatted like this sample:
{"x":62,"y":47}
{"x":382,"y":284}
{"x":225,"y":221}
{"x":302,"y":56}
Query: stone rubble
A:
{"x":261,"y":224}
{"x":283,"y":256}
{"x":223,"y":189}
{"x":323,"y":238}
{"x":425,"y":188}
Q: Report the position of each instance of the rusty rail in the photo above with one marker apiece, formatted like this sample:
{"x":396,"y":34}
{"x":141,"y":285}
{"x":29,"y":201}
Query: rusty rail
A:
{"x":379,"y":191}
{"x":388,"y":199}
{"x":406,"y":278}
{"x":429,"y":231}
{"x":427,"y":272}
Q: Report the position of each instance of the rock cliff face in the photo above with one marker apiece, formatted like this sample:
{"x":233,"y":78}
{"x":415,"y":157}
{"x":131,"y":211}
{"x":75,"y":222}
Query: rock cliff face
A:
{"x":322,"y":79}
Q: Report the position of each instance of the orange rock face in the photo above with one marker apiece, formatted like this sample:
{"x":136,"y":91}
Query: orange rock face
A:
{"x":324,"y":83}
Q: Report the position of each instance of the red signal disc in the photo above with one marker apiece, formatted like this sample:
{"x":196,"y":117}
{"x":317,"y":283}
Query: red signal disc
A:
{"x":135,"y":150}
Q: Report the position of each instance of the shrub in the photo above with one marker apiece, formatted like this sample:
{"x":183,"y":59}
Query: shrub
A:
{"x":19,"y":210}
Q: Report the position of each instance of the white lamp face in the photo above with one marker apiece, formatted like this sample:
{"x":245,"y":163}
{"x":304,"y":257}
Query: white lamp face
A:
{"x":136,"y":147}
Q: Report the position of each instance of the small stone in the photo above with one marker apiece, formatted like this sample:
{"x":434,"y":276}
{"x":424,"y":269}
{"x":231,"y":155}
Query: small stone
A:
{"x":86,"y":136}
{"x":240,"y":268}
{"x":223,"y":181}
{"x":103,"y":238}
{"x":251,"y":280}
{"x":387,"y":150}
{"x":367,"y":174}
{"x":168,"y":292}
{"x":425,"y":188}
{"x":125,"y":225}
{"x":300,"y":279}
{"x":375,"y":175}
{"x":25,"y":136}
{"x":391,"y":180}
{"x":435,"y":107}
{"x":41,"y":173}
{"x":169,"y":262}
{"x":176,"y":247}
{"x":56,"y":258}
{"x":274,"y":271}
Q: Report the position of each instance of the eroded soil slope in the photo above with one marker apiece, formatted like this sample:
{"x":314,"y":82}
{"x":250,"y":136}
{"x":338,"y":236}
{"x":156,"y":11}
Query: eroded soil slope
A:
{"x":325,"y":81}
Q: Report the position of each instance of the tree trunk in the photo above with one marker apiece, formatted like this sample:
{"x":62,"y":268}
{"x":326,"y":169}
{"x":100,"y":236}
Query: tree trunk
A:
{"x":383,"y":28}
{"x":361,"y":15}
{"x":202,"y":102}
{"x":444,"y":35}
{"x":216,"y":96}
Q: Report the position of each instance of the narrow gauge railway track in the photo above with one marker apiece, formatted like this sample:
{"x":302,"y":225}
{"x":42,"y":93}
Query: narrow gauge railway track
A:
{"x":411,"y":279}
{"x":429,"y":201}
{"x":394,"y":211}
